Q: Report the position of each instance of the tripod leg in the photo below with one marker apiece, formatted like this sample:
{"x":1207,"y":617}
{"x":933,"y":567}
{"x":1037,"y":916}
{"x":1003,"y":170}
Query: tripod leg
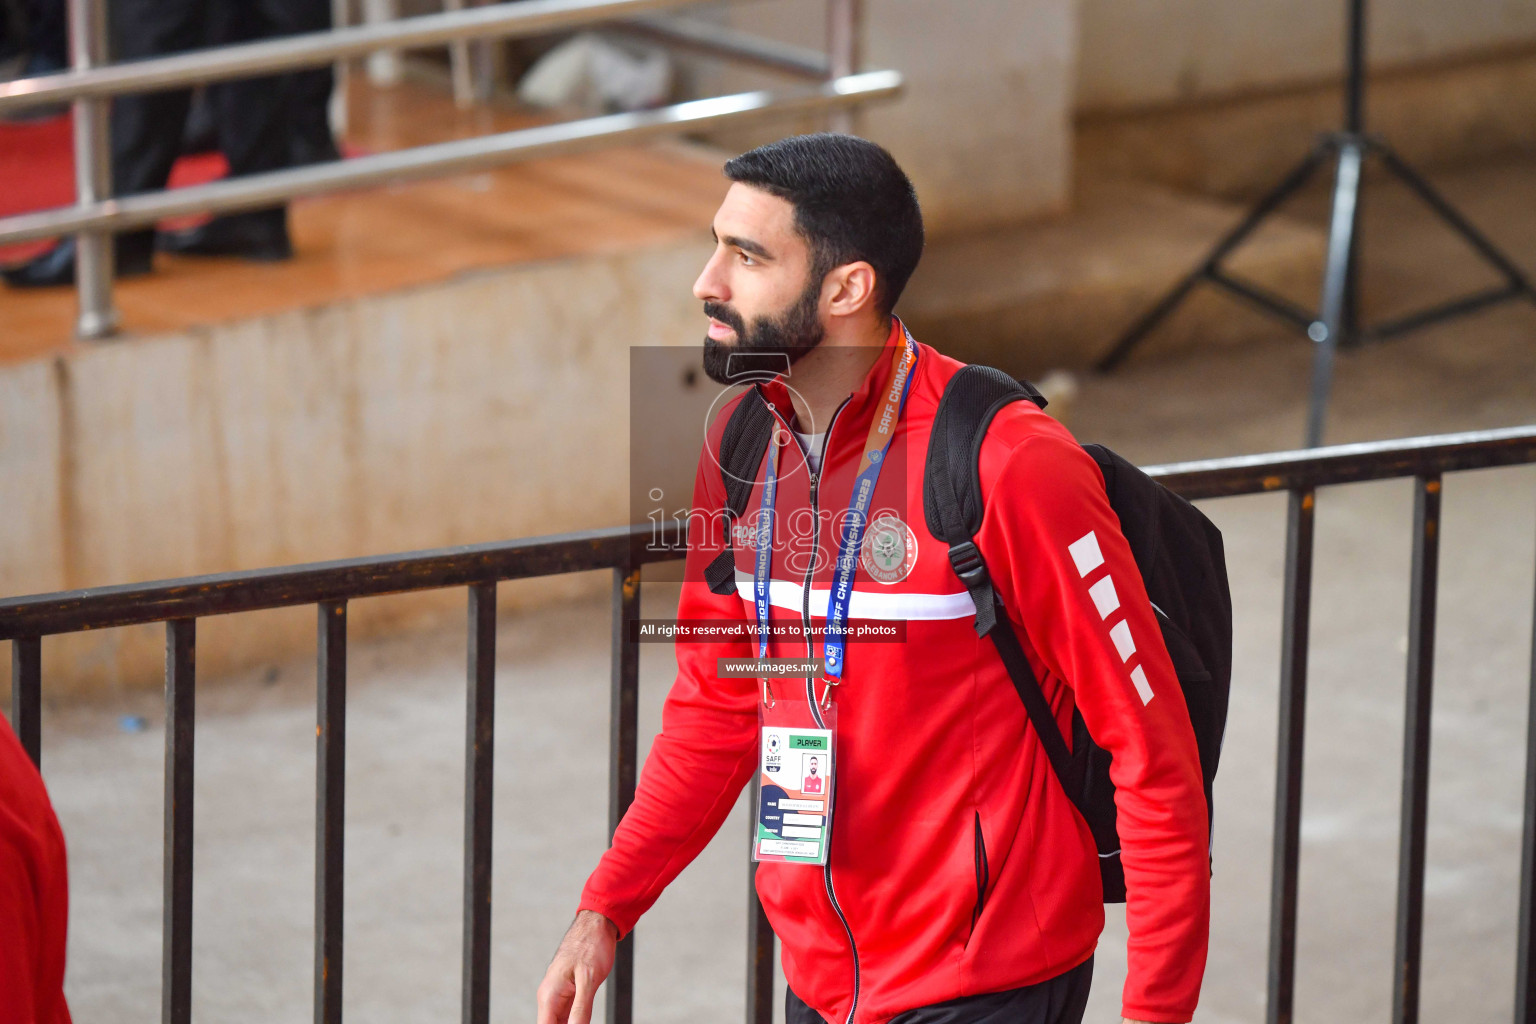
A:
{"x":1294,"y":180}
{"x":1448,"y":213}
{"x":1349,"y":327}
{"x":1341,"y":240}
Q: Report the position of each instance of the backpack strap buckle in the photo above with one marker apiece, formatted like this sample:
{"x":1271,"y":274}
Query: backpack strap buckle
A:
{"x":966,"y":559}
{"x":968,"y":564}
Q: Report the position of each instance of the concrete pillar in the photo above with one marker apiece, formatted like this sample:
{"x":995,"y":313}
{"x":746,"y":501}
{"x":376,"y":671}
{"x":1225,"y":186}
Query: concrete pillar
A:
{"x":985,"y":128}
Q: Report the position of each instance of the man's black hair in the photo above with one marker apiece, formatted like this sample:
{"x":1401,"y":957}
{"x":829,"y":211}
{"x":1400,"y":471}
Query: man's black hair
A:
{"x":852,"y":202}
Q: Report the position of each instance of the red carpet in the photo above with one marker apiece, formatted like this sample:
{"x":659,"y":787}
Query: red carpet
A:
{"x":37,"y":171}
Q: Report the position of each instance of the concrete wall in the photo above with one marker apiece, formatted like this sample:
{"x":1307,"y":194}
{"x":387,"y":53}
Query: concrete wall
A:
{"x":1138,"y":52}
{"x":1441,"y":114}
{"x":490,"y":407}
{"x":985,"y":126}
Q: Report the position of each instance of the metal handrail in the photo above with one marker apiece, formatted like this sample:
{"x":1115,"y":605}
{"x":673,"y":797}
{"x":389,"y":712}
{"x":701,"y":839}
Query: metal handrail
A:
{"x":286,"y":586}
{"x":96,"y":213}
{"x":313,"y":49}
{"x":1349,"y":463}
{"x":460,"y":156}
{"x":342,"y":579}
{"x":713,"y":40}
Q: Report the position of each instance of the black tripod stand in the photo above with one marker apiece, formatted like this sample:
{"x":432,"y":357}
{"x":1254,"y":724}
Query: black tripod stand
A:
{"x":1337,"y":324}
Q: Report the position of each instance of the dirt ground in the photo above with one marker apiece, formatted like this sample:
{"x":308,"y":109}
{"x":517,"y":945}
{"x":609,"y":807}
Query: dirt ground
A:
{"x":255,"y":740}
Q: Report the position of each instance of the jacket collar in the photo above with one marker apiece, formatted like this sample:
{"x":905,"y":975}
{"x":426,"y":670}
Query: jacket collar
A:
{"x":862,"y":401}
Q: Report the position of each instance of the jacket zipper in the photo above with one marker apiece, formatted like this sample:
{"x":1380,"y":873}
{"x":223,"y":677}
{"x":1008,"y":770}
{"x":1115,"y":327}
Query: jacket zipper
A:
{"x":810,"y":690}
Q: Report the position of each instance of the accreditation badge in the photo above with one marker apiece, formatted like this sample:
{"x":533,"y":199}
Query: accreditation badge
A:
{"x":796,"y":773}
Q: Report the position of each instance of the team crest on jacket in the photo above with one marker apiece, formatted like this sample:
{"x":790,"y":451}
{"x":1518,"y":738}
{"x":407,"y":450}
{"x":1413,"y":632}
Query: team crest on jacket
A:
{"x":889,"y":550}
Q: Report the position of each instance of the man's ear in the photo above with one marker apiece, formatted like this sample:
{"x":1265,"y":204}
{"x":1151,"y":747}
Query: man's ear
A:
{"x":850,"y":289}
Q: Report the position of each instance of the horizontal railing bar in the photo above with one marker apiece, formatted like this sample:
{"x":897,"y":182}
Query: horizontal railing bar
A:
{"x":314,"y":49}
{"x":312,"y":583}
{"x":255,"y":589}
{"x":461,"y":156}
{"x":1348,"y":463}
{"x":718,"y":41}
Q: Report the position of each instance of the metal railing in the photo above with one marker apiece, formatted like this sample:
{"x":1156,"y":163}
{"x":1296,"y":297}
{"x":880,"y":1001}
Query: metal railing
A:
{"x":835,"y":89}
{"x":331,"y":585}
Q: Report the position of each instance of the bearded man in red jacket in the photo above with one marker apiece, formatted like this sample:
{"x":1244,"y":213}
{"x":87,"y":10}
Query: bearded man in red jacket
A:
{"x":945,"y":875}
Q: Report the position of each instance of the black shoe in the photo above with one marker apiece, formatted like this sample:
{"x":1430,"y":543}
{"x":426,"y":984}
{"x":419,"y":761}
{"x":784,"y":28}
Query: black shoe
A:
{"x":131,"y":258}
{"x":258,"y":237}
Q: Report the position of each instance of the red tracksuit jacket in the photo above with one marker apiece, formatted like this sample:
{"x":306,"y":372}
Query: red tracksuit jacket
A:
{"x":34,"y":894}
{"x":958,"y":866}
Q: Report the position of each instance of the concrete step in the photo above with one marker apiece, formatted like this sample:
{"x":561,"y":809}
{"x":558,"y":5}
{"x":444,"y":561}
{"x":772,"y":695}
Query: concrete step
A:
{"x":1059,"y":292}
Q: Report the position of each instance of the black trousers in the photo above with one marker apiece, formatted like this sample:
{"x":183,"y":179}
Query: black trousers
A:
{"x":47,"y":33}
{"x":254,"y":120}
{"x":1058,"y":1000}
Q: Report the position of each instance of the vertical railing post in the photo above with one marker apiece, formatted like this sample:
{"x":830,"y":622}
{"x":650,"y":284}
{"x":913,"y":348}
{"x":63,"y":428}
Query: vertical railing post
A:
{"x":1420,"y":702}
{"x":760,"y":939}
{"x":26,"y":695}
{"x":176,"y":932}
{"x":338,"y":110}
{"x":97,"y":316}
{"x":330,"y":806}
{"x":480,"y":748}
{"x":623,"y":727}
{"x":460,"y":71}
{"x":845,"y":33}
{"x":1525,"y":961}
{"x":1291,"y":746}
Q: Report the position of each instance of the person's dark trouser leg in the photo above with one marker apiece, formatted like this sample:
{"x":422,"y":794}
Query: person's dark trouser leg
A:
{"x":146,"y":129}
{"x":256,"y":126}
{"x":309,"y":92}
{"x":145,"y":132}
{"x":796,"y":1012}
{"x":309,"y":102}
{"x":47,"y":32}
{"x":253,"y":112}
{"x":1071,"y":989}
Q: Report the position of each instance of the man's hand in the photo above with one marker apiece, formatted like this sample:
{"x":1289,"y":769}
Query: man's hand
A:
{"x":580,"y":965}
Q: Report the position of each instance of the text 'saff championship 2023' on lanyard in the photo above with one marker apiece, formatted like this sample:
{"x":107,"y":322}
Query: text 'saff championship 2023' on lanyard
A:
{"x":796,"y":767}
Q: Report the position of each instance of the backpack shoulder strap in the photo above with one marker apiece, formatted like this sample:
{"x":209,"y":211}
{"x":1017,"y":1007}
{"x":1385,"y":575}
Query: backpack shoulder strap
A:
{"x":952,"y":507}
{"x":742,"y":446}
{"x":951,"y":478}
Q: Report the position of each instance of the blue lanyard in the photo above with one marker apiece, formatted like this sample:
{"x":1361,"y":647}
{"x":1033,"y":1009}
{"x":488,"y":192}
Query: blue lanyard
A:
{"x":765,"y":546}
{"x":882,"y":432}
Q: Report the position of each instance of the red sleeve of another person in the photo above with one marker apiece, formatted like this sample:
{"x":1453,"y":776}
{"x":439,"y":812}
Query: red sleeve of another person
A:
{"x":34,"y":895}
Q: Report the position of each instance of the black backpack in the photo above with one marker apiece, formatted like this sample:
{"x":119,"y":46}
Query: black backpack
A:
{"x":1178,"y":551}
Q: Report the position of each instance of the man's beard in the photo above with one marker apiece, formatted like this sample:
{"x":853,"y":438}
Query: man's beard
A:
{"x":791,"y":333}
